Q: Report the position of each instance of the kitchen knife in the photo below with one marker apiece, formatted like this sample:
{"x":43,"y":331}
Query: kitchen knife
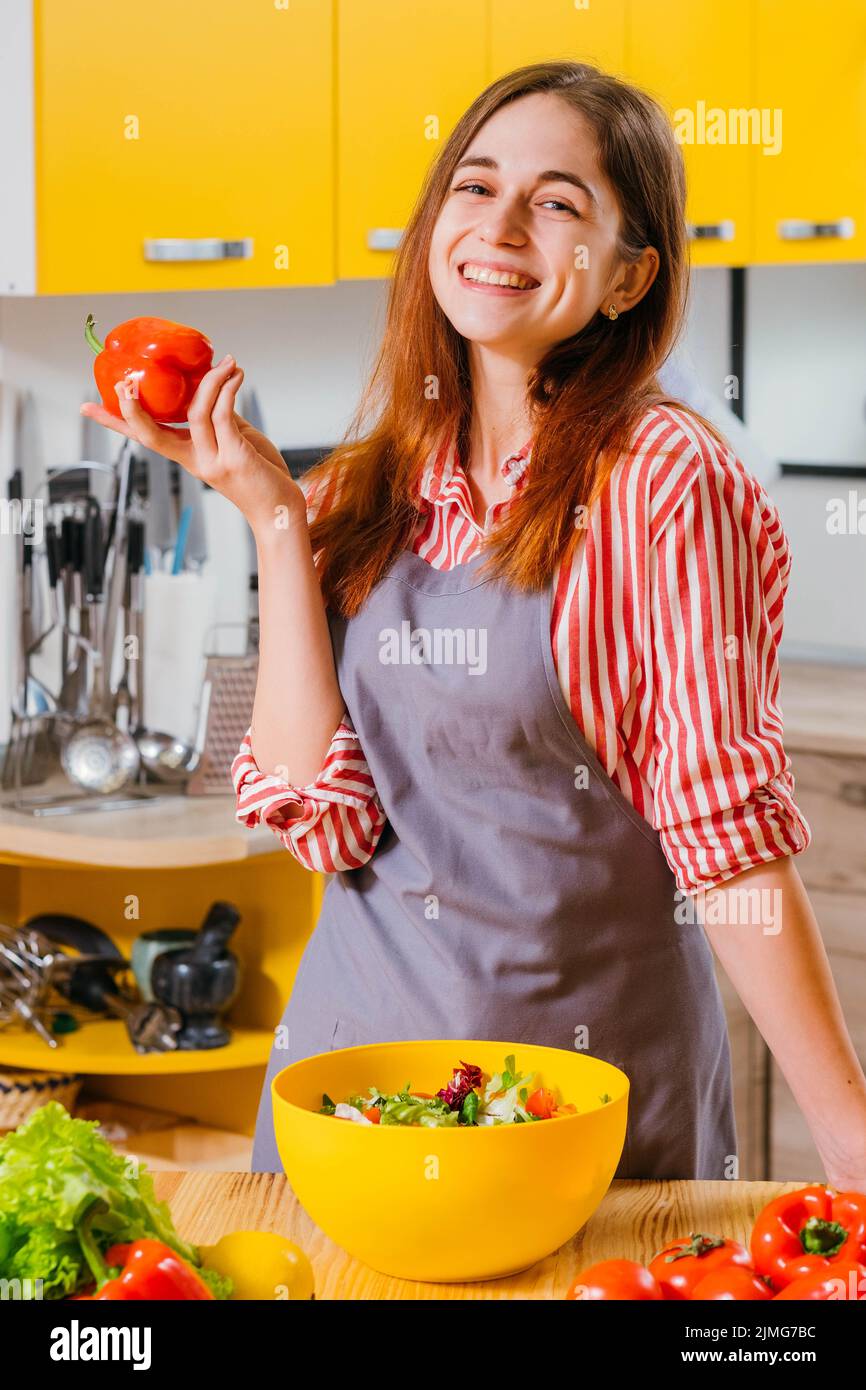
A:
{"x":191,"y":492}
{"x":114,"y":562}
{"x":159,"y":521}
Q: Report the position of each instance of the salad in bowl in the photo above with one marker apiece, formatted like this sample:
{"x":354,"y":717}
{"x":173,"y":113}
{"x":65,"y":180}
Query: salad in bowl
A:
{"x":472,"y":1097}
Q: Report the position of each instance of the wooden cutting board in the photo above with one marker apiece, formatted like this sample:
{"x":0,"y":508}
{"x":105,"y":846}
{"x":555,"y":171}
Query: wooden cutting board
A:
{"x":635,"y":1220}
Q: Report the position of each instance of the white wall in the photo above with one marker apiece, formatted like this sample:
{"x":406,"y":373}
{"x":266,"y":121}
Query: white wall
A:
{"x":306,"y":350}
{"x":806,"y":400}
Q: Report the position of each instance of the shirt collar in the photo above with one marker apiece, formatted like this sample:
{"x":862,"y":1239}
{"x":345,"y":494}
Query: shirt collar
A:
{"x":443,"y":477}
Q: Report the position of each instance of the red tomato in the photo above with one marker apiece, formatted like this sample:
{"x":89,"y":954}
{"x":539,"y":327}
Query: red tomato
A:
{"x":844,"y":1280}
{"x":684,"y":1263}
{"x":542,"y":1103}
{"x":732,"y":1281}
{"x":373,"y":1114}
{"x":622,"y":1280}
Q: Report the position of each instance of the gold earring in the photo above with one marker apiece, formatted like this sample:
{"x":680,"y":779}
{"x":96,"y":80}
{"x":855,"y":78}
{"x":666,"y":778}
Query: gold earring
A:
{"x":613,"y":312}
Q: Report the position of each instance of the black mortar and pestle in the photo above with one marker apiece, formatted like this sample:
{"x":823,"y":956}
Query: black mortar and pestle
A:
{"x":201,"y":981}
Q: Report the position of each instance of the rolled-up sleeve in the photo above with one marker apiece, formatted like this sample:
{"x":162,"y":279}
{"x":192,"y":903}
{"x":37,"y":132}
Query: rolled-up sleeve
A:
{"x":331,"y":824}
{"x":723,"y":791}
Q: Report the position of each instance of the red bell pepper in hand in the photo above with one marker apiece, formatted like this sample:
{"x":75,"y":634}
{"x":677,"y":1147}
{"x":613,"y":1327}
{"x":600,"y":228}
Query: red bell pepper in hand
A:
{"x":810,"y":1229}
{"x":163,"y":361}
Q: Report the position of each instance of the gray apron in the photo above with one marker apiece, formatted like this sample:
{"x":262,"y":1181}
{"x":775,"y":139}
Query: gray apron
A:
{"x":515,"y":892}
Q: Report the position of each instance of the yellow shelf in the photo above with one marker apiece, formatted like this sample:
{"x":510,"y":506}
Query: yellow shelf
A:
{"x":104,"y":1047}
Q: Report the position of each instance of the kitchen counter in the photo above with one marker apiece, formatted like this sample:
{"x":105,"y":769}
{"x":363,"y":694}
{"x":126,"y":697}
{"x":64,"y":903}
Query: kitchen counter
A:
{"x":824,"y":707}
{"x":634,"y":1221}
{"x":173,"y":831}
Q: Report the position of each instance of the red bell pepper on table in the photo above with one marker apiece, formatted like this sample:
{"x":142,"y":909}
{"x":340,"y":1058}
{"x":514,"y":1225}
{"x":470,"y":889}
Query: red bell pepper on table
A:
{"x":808,"y":1230}
{"x":843,"y":1281}
{"x":146,"y":1268}
{"x":151,"y":1270}
{"x":165,"y":361}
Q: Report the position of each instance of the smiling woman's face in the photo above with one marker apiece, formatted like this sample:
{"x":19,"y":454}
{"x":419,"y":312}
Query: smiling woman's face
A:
{"x":529,"y":197}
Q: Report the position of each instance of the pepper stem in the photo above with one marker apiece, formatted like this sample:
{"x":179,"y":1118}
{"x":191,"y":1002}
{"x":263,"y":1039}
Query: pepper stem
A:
{"x":819,"y":1237}
{"x":90,"y":336}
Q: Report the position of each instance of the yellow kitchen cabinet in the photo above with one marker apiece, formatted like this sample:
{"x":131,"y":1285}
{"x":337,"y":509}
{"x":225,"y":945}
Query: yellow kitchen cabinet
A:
{"x":406,"y":71}
{"x":179,"y":146}
{"x":697,"y":60}
{"x":592,"y":32}
{"x":811,"y":66}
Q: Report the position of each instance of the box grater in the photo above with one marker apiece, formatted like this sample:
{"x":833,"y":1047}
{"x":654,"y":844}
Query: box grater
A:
{"x":225,"y":713}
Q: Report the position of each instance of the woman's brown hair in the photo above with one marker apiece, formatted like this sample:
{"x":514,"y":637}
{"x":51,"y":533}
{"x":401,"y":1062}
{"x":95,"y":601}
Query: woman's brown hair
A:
{"x":585,"y":396}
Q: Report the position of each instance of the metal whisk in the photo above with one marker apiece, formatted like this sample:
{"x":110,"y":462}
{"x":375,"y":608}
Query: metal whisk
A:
{"x":27,"y":970}
{"x":32,"y":969}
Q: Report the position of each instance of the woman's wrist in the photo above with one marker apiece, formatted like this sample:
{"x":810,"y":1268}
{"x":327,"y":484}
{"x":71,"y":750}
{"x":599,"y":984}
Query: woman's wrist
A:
{"x":286,"y":518}
{"x":842,"y":1142}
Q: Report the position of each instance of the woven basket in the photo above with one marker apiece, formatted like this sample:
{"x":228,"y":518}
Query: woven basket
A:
{"x":22,"y":1092}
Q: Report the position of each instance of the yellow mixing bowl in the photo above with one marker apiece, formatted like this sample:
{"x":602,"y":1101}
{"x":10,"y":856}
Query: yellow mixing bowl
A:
{"x":449,"y":1205}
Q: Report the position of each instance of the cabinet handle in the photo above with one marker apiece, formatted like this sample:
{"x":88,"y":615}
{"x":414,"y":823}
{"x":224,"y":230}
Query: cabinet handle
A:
{"x":712,"y":231}
{"x":384,"y":238}
{"x":854,"y":793}
{"x":169,"y":248}
{"x":795,"y":229}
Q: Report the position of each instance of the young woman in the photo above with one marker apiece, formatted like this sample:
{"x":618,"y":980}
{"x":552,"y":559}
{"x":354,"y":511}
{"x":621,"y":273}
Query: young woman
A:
{"x":518,"y":681}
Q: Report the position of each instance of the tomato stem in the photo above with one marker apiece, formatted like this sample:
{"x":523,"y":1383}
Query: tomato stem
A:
{"x":698,"y":1245}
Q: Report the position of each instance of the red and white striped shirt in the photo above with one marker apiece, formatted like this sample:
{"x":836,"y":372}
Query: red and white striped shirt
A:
{"x":665,"y":627}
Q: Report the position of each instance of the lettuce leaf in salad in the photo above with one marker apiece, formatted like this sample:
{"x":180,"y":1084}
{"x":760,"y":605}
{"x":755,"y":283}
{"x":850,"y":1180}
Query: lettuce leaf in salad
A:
{"x":417,"y":1110}
{"x":401,"y":1108}
{"x":503,"y":1101}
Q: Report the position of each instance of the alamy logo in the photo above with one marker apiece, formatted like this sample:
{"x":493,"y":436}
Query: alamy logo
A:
{"x":734,"y":125}
{"x":23,"y":517}
{"x":83,"y":1343}
{"x":737,"y":907}
{"x":24,"y":1289}
{"x":434,"y":646}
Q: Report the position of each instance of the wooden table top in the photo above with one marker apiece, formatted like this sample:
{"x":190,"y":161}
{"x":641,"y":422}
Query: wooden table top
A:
{"x":634,"y":1221}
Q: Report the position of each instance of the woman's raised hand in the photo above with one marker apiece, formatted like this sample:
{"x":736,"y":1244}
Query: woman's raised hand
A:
{"x":220,"y":447}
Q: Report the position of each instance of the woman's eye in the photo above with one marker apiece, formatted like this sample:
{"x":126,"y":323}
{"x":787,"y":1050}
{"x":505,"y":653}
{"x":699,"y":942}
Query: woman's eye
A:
{"x":548,"y":202}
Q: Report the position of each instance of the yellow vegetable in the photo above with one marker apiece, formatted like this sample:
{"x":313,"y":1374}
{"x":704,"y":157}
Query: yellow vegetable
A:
{"x":263,"y":1265}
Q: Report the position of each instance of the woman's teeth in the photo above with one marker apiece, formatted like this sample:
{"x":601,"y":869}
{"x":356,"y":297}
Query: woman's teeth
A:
{"x":498,"y":277}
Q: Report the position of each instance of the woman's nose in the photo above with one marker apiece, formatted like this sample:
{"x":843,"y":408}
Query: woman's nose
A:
{"x":503,"y":223}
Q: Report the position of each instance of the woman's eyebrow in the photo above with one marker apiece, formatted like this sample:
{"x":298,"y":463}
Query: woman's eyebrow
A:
{"x":485,"y":161}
